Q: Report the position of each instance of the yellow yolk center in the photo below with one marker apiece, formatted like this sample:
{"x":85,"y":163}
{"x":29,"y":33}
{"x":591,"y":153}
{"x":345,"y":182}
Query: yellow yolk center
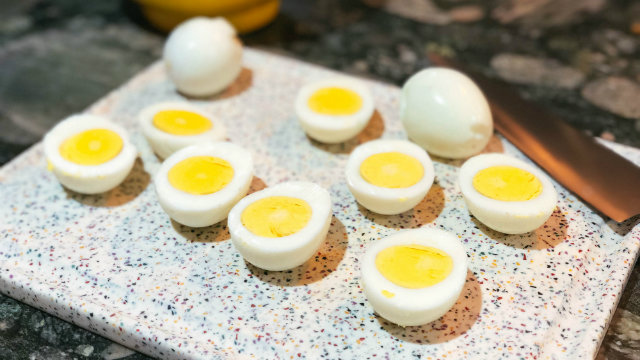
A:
{"x":335,"y":101}
{"x":181,"y":122}
{"x":276,"y":216}
{"x":201,"y":175}
{"x":414,"y":266}
{"x":507,"y":183}
{"x":91,"y":147}
{"x":391,"y":170}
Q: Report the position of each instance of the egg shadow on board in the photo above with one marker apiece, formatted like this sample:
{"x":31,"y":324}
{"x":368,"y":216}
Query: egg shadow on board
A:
{"x":425,"y":212}
{"x":133,"y":185}
{"x":207,"y":234}
{"x":457,"y":321}
{"x":241,"y":84}
{"x":257,"y":184}
{"x":373,"y":130}
{"x":547,"y":236}
{"x":216,"y":232}
{"x":321,"y":264}
{"x":493,"y":146}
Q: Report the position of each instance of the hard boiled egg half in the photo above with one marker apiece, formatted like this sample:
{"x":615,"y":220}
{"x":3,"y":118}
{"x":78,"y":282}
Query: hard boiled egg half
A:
{"x":334,"y":110}
{"x":414,"y":276}
{"x":282,"y":226}
{"x":171,"y":126}
{"x":89,"y":154}
{"x":506,"y":194}
{"x":389,"y":176}
{"x":198,"y":185}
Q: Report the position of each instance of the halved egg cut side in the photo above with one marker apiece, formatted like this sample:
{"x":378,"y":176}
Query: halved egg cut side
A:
{"x":335,"y":101}
{"x":506,"y":194}
{"x":174,"y":125}
{"x":181,"y":122}
{"x":413,"y":266}
{"x":389,"y":176}
{"x":89,"y":154}
{"x":391,"y":170}
{"x":201,"y":175}
{"x":91,"y":147}
{"x":334,"y":110}
{"x":276,"y":216}
{"x":282,"y":226}
{"x":415,"y":276}
{"x":507,"y":183}
{"x":198,"y":185}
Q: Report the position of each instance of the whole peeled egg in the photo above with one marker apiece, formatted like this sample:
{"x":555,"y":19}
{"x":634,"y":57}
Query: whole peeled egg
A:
{"x":203,"y":56}
{"x":446,"y":113}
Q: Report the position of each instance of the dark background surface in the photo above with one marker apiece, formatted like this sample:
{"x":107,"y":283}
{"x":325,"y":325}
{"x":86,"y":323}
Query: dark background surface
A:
{"x":578,"y":58}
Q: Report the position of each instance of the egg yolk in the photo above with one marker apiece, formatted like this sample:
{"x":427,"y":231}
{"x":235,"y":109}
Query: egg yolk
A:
{"x":388,"y":294}
{"x":414,"y":266}
{"x":201,"y":175}
{"x":91,"y":147}
{"x":507,"y":183}
{"x":335,"y":101}
{"x":391,"y":170}
{"x":181,"y":122}
{"x":276,"y":216}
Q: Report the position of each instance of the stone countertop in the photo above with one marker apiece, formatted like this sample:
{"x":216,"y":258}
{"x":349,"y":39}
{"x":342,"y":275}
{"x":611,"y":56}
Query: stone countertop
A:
{"x":579,"y":58}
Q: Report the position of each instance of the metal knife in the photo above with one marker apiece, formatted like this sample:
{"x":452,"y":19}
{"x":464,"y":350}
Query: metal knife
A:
{"x":599,"y":176}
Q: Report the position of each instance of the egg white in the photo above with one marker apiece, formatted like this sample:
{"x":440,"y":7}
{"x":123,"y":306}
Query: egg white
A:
{"x":332,"y":129}
{"x":88,"y":179}
{"x":204,"y":210}
{"x":285,"y":252}
{"x":165,"y":144}
{"x":382,"y":200}
{"x":446,"y":113}
{"x":411,"y":307}
{"x":510,"y":217}
{"x":203,"y":56}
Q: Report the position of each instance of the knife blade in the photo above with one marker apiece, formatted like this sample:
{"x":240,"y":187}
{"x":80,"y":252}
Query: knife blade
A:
{"x":599,"y":176}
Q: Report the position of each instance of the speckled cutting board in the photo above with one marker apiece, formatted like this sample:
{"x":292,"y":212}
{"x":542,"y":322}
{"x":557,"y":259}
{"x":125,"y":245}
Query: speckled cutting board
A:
{"x":117,"y":265}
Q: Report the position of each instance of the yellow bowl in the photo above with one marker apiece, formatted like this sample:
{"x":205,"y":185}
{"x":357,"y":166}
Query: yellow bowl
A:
{"x":245,"y":15}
